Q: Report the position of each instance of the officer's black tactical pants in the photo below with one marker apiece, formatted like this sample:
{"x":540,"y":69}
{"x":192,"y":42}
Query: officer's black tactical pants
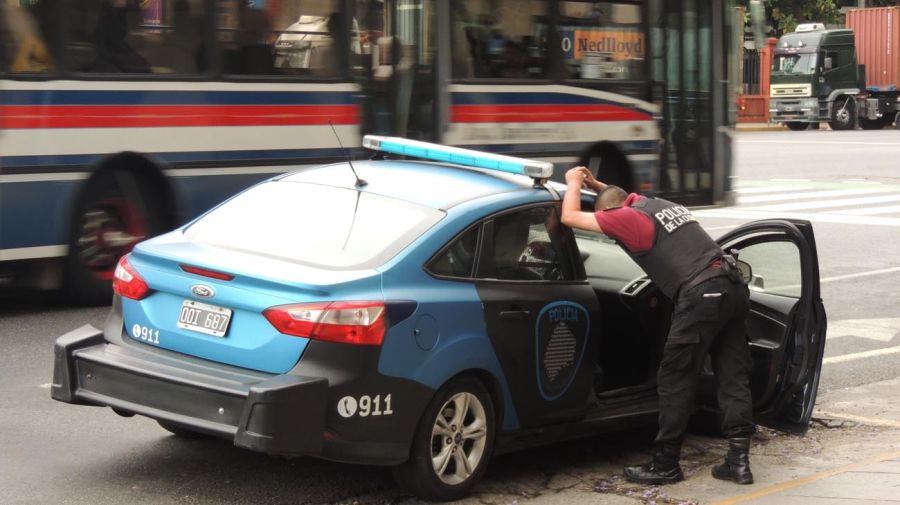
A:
{"x":713,"y":324}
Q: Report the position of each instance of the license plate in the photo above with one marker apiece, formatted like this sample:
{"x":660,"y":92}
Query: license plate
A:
{"x":204,"y":318}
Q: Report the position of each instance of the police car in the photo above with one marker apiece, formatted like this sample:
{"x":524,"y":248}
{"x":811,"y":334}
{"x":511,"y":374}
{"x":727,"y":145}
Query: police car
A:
{"x":418,"y":314}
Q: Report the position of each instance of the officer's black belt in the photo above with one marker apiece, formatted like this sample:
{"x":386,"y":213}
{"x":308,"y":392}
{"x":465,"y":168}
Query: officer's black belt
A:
{"x":710,"y":272}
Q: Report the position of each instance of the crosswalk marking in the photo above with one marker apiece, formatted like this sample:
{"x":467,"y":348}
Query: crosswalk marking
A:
{"x":852,"y":202}
{"x":737,"y":213}
{"x":769,"y":189}
{"x":889,"y":209}
{"x":795,"y":195}
{"x":845,"y":202}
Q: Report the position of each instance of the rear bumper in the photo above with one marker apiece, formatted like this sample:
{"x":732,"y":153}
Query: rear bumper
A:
{"x":273,"y":414}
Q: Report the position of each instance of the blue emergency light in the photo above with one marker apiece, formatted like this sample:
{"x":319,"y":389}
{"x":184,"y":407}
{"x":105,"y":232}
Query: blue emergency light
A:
{"x":459,"y":156}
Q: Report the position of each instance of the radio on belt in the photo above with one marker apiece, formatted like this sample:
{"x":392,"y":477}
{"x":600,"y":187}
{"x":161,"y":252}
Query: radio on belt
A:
{"x":538,"y":170}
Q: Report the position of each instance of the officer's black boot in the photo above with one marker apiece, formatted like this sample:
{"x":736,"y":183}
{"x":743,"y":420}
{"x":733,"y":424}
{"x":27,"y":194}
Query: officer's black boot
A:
{"x":663,"y":469}
{"x":736,"y":467}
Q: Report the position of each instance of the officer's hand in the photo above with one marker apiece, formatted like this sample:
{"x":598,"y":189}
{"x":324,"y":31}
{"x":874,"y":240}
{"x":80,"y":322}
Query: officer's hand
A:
{"x":575,"y":175}
{"x":589,"y":180}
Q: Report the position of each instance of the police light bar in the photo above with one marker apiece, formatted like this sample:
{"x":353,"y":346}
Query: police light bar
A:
{"x":467,"y":157}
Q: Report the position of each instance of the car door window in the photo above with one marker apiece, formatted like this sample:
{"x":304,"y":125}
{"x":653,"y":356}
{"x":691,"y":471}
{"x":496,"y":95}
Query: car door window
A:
{"x":776,"y":268}
{"x":457,"y":259}
{"x":528,"y":245}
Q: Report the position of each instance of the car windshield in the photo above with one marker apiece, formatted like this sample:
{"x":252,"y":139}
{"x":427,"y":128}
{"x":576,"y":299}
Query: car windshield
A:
{"x":317,"y":225}
{"x":802,"y":64}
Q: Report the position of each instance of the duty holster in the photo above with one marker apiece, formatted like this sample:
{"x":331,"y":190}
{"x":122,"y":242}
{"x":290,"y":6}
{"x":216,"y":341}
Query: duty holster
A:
{"x":731,"y":269}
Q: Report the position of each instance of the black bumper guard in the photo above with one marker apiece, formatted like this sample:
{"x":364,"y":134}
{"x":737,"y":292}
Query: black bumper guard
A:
{"x":273,"y":414}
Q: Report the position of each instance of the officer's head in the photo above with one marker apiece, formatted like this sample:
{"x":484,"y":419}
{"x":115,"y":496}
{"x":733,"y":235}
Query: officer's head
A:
{"x":611,"y":197}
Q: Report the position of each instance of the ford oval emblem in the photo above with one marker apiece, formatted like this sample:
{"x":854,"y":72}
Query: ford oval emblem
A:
{"x":202,"y":291}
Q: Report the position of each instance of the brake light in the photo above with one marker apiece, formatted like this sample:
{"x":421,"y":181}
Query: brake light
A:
{"x":222,"y":276}
{"x":360,"y":323}
{"x":127,"y":282}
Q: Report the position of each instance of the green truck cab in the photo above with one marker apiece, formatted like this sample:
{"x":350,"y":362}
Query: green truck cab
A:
{"x":815,"y":77}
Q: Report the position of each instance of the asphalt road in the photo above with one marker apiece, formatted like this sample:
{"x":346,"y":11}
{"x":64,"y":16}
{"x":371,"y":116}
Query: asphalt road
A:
{"x":56,"y":453}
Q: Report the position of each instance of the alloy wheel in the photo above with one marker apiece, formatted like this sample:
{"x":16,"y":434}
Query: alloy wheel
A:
{"x":458,"y":438}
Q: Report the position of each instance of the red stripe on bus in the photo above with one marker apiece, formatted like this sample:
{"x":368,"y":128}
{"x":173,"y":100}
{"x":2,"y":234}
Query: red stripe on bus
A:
{"x":544,"y":113}
{"x":124,"y":116}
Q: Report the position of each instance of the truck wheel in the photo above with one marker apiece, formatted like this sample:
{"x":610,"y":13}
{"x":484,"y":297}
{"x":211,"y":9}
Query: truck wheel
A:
{"x":871,"y":124}
{"x":452,"y":444}
{"x":797,"y":126}
{"x":107,"y":223}
{"x":843,"y":114}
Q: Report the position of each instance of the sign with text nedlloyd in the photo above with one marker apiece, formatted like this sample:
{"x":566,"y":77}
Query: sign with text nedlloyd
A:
{"x":620,"y":44}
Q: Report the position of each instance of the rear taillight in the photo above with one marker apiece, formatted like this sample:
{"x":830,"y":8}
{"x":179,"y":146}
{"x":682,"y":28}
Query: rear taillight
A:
{"x":361,"y":323}
{"x":127,"y":282}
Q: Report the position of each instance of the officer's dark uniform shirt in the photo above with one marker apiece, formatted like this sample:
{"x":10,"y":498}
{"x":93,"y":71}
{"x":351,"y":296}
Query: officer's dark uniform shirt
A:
{"x":662,"y":238}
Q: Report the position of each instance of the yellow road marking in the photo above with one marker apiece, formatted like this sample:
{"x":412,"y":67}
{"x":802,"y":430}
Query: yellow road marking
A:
{"x":791,"y":484}
{"x":860,"y":419}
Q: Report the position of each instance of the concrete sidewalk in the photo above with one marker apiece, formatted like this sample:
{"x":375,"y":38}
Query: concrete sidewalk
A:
{"x":872,"y":481}
{"x":869,"y":480}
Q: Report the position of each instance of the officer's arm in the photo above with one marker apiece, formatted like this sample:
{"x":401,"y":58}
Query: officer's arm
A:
{"x":572,"y":215}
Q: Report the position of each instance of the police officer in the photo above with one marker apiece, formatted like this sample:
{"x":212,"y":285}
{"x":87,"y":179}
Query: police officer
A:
{"x":710,"y":305}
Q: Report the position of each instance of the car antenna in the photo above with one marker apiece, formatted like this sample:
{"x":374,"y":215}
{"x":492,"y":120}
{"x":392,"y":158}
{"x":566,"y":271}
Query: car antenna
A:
{"x":359,"y":182}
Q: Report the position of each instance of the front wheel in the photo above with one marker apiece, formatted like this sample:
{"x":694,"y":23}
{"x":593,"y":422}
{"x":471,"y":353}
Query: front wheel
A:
{"x":452,"y":444}
{"x":797,"y":126}
{"x":843,"y":114}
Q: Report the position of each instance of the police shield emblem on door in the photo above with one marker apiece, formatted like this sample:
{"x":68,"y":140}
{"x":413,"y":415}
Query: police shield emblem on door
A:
{"x":561,"y":335}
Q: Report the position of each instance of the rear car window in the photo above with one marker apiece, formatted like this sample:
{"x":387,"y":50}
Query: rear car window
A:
{"x":315,"y":225}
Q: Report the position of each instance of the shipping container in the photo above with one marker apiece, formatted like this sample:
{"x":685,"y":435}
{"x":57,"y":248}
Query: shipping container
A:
{"x":878,"y":44}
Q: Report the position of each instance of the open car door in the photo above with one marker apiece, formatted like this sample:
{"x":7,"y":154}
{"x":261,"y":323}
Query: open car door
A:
{"x":786,"y":323}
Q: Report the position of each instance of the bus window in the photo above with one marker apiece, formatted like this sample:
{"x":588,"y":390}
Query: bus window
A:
{"x":23,"y":47}
{"x":292,"y":37}
{"x":602,"y":40}
{"x":127,"y":37}
{"x":499,"y":38}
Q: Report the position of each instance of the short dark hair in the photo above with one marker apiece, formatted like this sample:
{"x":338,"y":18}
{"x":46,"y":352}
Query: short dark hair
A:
{"x":610,"y":198}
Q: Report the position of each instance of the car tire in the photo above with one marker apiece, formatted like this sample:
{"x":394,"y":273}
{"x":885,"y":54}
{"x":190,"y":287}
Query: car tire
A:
{"x":181,"y":432}
{"x":797,"y":126}
{"x":843,"y":114}
{"x":452,"y":444}
{"x":108,"y":221}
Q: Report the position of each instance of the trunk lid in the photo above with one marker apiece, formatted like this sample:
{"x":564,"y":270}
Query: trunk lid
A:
{"x":259,"y":282}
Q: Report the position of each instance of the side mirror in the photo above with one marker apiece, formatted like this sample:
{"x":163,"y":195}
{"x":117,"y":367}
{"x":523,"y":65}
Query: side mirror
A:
{"x":828,"y":64}
{"x":746,"y":271}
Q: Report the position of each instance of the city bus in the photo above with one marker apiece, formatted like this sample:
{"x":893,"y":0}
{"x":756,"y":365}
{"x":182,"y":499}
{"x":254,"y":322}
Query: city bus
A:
{"x":120,"y":119}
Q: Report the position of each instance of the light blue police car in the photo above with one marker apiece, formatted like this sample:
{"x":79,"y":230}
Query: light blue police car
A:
{"x":418,"y":314}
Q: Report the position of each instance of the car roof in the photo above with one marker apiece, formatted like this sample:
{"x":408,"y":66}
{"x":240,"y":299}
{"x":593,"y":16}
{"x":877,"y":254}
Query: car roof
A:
{"x":436,"y":185}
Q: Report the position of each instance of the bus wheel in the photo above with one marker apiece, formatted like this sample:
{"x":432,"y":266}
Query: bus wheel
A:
{"x":610,"y":166}
{"x":797,"y":126}
{"x":111,"y":217}
{"x":843,"y":114}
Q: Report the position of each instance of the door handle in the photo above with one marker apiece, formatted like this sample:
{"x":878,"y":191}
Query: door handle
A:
{"x":514,"y":314}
